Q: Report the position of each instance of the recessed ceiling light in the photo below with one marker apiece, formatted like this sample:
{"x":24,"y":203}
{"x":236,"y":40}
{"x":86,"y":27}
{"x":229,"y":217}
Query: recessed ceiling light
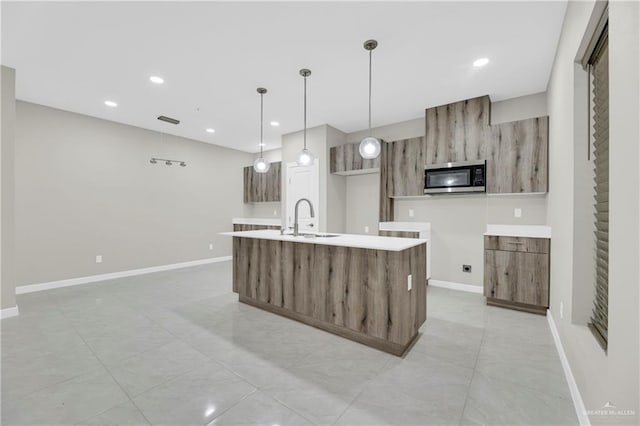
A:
{"x":274,"y":123}
{"x":481,"y":62}
{"x":210,"y":130}
{"x":111,"y":104}
{"x":155,"y":79}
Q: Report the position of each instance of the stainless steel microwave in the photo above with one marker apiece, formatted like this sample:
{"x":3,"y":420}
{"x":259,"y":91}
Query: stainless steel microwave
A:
{"x":455,"y":177}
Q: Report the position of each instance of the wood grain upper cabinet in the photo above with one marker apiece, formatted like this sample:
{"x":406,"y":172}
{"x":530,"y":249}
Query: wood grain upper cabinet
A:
{"x":457,"y":132}
{"x":405,"y":159}
{"x":517,"y":156}
{"x":346,"y":160}
{"x":262,"y":187}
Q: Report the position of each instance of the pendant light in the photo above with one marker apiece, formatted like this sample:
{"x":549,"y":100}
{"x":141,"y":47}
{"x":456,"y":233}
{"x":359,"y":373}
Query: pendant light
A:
{"x":305,"y":157}
{"x":370,"y":146}
{"x":261,"y":165}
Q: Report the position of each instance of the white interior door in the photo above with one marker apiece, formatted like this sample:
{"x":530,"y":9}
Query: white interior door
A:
{"x":303,"y":182}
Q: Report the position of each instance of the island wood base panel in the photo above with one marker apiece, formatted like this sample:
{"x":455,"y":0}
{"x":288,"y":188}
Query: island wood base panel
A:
{"x":380,"y":344}
{"x":359,"y":294}
{"x":534,"y":309}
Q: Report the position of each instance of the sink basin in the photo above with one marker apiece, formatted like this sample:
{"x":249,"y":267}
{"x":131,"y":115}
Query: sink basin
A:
{"x":320,"y":235}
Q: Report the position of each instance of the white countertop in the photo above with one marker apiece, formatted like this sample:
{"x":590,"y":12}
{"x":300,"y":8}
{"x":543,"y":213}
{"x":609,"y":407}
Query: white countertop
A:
{"x":276,"y":221}
{"x":531,"y":231}
{"x":343,"y":240}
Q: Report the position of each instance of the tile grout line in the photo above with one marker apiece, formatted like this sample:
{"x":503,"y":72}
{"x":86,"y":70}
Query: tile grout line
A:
{"x":475,"y":365}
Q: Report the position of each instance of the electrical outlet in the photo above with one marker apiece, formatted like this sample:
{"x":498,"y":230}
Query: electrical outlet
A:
{"x":275,"y":212}
{"x":517,"y":212}
{"x":561,"y":310}
{"x":366,"y":229}
{"x":210,"y":246}
{"x":99,"y":258}
{"x":411,"y":212}
{"x":409,"y":282}
{"x":466,"y":268}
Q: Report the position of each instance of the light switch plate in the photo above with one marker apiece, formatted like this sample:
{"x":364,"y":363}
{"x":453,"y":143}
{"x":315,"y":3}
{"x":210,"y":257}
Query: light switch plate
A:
{"x":210,"y":246}
{"x":517,"y":212}
{"x":366,"y":229}
{"x":99,"y":258}
{"x":411,"y":212}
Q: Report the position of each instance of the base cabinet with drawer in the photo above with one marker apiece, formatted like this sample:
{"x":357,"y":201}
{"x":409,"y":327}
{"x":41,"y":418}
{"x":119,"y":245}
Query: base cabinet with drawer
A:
{"x":516,"y":272}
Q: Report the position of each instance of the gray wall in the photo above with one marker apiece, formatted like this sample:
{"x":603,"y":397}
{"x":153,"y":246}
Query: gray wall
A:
{"x":7,"y":214}
{"x":611,"y":376}
{"x":85,"y":187}
{"x":457,"y":222}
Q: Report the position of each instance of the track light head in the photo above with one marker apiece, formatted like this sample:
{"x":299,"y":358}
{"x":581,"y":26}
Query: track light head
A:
{"x":153,"y":161}
{"x":183,"y":164}
{"x":168,"y":163}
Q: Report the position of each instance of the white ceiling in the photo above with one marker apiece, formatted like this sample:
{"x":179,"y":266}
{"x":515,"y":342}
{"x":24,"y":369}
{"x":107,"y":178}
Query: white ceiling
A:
{"x":213,"y":56}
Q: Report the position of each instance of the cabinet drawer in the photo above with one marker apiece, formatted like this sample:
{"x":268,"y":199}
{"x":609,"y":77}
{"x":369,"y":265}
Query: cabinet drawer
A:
{"x":523,"y":244}
{"x":401,"y":234}
{"x":517,"y":277}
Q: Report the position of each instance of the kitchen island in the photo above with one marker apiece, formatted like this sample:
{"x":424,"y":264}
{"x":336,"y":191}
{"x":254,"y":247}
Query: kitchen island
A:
{"x":368,"y":289}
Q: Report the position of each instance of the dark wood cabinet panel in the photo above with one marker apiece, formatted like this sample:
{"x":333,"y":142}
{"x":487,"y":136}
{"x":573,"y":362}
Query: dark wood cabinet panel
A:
{"x":516,"y":273}
{"x":457,"y":131}
{"x":263,"y":187}
{"x":517,"y":156}
{"x":386,"y":211}
{"x":524,"y":244}
{"x":246,"y":227}
{"x":346,"y":160}
{"x":406,"y":161}
{"x":356,"y":293}
{"x":401,"y":234}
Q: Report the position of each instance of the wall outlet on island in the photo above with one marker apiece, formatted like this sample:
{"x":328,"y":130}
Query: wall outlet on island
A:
{"x":210,"y":246}
{"x":411,"y":213}
{"x":517,"y":212}
{"x":99,"y":258}
{"x":275,"y":212}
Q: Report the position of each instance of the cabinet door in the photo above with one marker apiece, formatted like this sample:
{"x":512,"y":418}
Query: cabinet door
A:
{"x":458,"y":131}
{"x":406,"y":160}
{"x":346,"y":160}
{"x":517,"y":156}
{"x":517,"y":277}
{"x":262,"y":187}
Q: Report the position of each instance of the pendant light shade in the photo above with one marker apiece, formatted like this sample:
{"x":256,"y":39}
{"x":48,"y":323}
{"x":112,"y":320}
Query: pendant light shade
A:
{"x":370,"y":147}
{"x":261,"y":165}
{"x":305,"y":157}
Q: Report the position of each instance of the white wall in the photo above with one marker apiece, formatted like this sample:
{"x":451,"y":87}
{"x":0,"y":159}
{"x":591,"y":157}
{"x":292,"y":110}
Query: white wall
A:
{"x":7,"y":198}
{"x":85,"y":187}
{"x":612,"y":376}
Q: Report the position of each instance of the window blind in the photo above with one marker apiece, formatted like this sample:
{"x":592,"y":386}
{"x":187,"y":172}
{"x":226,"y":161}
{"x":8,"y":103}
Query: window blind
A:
{"x":599,"y":73}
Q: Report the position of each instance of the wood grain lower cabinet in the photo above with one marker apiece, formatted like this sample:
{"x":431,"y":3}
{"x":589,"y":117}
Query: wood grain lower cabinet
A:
{"x":360,"y":294}
{"x":516,"y":273}
{"x":405,"y":159}
{"x":517,"y":157}
{"x":346,"y":160}
{"x":246,"y":227}
{"x":400,"y":234}
{"x":263,"y":187}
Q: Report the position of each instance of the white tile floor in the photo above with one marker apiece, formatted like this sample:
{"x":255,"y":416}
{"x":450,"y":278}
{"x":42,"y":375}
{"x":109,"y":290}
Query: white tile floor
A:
{"x":177,"y":348}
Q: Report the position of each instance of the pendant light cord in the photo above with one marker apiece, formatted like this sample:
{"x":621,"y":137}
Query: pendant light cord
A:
{"x":261,"y":121}
{"x":370,"y":52}
{"x":305,"y":112}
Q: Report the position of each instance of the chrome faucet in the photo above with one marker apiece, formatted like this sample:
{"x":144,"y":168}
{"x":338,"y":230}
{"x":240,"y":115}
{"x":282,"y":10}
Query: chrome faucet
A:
{"x":295,"y":220}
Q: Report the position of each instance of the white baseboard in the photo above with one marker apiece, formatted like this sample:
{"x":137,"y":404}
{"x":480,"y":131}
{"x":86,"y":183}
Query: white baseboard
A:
{"x":102,"y":277}
{"x":578,"y":404}
{"x":9,"y":312}
{"x":456,"y":286}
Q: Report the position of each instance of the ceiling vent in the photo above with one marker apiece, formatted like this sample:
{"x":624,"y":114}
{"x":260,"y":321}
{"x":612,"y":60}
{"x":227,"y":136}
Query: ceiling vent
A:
{"x":168,"y":119}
